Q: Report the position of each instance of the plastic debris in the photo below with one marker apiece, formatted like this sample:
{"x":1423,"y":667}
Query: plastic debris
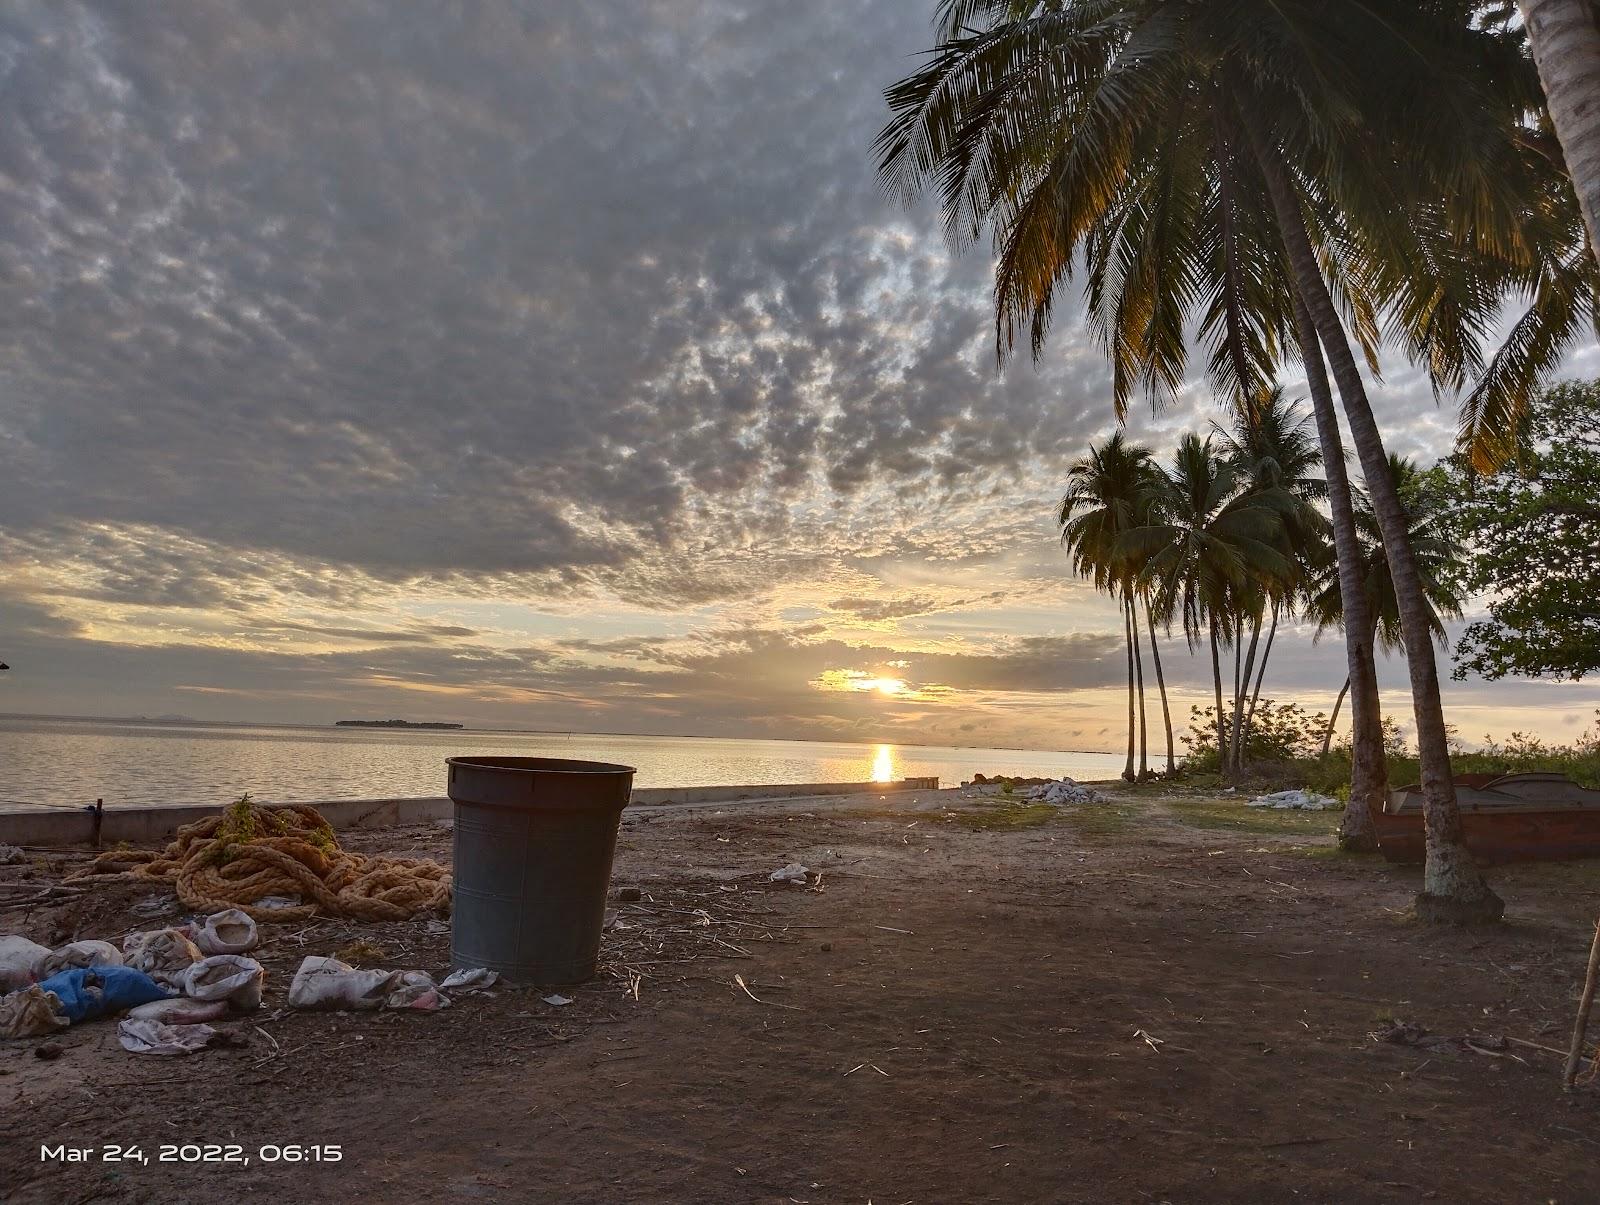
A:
{"x":230,"y":977}
{"x":327,"y":983}
{"x":1062,"y":791}
{"x":471,"y":980}
{"x":227,"y":932}
{"x":31,"y":1012}
{"x":164,"y":954}
{"x":273,"y":903}
{"x":153,"y":1037}
{"x":89,"y":992}
{"x":557,"y":1001}
{"x":78,"y":954}
{"x":19,"y":958}
{"x":792,"y":873}
{"x":1308,"y":801}
{"x":10,"y":855}
{"x":153,"y":906}
{"x":180,"y":1010}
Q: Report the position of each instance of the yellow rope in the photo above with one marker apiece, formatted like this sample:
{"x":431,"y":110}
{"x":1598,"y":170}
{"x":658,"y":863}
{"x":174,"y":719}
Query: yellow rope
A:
{"x":248,"y":852}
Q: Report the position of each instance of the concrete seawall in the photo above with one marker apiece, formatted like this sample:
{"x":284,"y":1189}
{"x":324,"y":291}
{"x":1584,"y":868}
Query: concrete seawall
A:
{"x":151,"y":825}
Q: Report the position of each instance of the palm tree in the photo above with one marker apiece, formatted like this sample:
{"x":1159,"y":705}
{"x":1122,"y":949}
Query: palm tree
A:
{"x":1273,"y":448}
{"x":1038,"y":118}
{"x":1104,"y":500}
{"x":1565,"y":37}
{"x":1206,"y":538}
{"x":1438,"y":557}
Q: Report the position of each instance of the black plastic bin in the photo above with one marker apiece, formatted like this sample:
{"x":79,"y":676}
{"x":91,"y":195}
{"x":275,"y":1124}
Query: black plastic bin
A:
{"x":534,"y":837}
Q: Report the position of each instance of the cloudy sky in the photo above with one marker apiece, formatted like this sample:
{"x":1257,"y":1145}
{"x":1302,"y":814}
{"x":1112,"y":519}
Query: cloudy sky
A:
{"x":544,"y":366}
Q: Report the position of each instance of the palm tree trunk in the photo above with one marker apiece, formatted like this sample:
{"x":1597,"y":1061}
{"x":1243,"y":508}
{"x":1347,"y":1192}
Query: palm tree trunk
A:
{"x":1261,"y":671}
{"x":1565,"y":37}
{"x":1161,"y":684}
{"x":1127,"y":615}
{"x":1333,"y":720}
{"x":1454,"y":888}
{"x":1138,"y":670}
{"x":1238,"y":704}
{"x":1222,"y":727}
{"x":1369,"y":772}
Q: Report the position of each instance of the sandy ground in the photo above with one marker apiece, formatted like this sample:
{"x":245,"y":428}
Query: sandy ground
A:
{"x":1161,"y":999}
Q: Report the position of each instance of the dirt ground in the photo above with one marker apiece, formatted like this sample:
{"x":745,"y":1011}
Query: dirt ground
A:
{"x":1158,"y":999}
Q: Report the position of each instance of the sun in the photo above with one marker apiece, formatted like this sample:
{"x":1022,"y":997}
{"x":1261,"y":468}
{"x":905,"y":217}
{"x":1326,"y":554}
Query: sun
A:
{"x":884,"y":686}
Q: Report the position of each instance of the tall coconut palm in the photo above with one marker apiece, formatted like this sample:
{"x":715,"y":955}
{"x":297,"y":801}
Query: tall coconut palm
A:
{"x":1035,"y":118}
{"x":1438,"y":558}
{"x":1206,"y":540}
{"x":1565,"y":37}
{"x":1103,"y":502}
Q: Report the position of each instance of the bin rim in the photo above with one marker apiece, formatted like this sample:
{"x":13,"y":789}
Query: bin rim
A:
{"x":577,"y":767}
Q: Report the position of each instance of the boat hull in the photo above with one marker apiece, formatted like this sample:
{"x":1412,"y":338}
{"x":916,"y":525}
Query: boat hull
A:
{"x":1495,"y":837}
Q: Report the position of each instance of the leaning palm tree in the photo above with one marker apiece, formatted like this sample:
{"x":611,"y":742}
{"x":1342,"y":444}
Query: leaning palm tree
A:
{"x":1438,"y":558}
{"x":1036,"y":117}
{"x":1207,"y":539}
{"x":1104,"y":500}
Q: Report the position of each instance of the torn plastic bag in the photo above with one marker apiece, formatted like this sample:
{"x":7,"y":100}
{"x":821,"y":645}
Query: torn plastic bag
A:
{"x":89,"y":992}
{"x":180,"y":1010}
{"x":227,"y":932}
{"x":78,"y":954}
{"x":474,"y":980}
{"x":230,"y":977}
{"x":152,"y":1037}
{"x":18,"y":959}
{"x":327,"y":983}
{"x":164,"y":954}
{"x":31,"y":1012}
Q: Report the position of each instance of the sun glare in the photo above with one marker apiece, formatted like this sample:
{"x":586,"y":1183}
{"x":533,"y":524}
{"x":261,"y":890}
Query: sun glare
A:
{"x":883,"y":764}
{"x":884,"y":686}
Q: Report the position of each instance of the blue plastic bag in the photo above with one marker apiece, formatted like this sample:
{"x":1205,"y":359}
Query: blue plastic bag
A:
{"x":89,"y":992}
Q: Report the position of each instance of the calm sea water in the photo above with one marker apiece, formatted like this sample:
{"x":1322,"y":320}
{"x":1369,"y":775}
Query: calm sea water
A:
{"x":77,"y":761}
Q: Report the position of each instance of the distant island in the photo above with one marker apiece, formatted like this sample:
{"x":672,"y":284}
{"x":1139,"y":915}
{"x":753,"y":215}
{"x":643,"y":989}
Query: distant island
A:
{"x":390,"y":724}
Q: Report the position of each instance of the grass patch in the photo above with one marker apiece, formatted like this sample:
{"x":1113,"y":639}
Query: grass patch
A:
{"x":1226,"y":816}
{"x":1093,"y":822}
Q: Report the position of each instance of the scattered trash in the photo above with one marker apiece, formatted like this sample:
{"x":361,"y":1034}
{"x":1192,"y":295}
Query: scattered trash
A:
{"x":557,"y":1001}
{"x":19,"y":958}
{"x":276,"y":903}
{"x":1308,"y":801}
{"x":10,"y":855}
{"x":327,"y":983}
{"x":227,"y":932}
{"x":1063,"y":790}
{"x":31,"y":1012}
{"x":153,"y":906}
{"x":180,"y":1010}
{"x":473,"y":980}
{"x":153,"y":1037}
{"x":230,"y":977}
{"x":792,"y":873}
{"x":437,"y":926}
{"x":164,"y":954}
{"x":49,"y":1050}
{"x":629,"y":895}
{"x":85,"y":993}
{"x":78,"y":954}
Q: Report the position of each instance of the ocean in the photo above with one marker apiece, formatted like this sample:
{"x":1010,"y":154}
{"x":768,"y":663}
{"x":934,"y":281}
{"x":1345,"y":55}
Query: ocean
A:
{"x":73,"y":762}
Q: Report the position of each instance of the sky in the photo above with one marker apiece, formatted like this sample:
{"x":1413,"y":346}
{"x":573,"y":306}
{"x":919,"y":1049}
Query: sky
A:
{"x":551,"y":367}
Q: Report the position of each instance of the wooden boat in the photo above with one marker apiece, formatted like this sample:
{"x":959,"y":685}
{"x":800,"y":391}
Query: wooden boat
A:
{"x":1506,"y":818}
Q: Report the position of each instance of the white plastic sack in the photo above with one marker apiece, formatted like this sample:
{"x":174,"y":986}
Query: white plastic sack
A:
{"x":230,"y":977}
{"x":19,"y":958}
{"x":152,"y":1037}
{"x":78,"y":954}
{"x":227,"y":932}
{"x":327,"y":983}
{"x":180,"y":1010}
{"x":31,"y":1013}
{"x":163,"y":954}
{"x":792,"y":873}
